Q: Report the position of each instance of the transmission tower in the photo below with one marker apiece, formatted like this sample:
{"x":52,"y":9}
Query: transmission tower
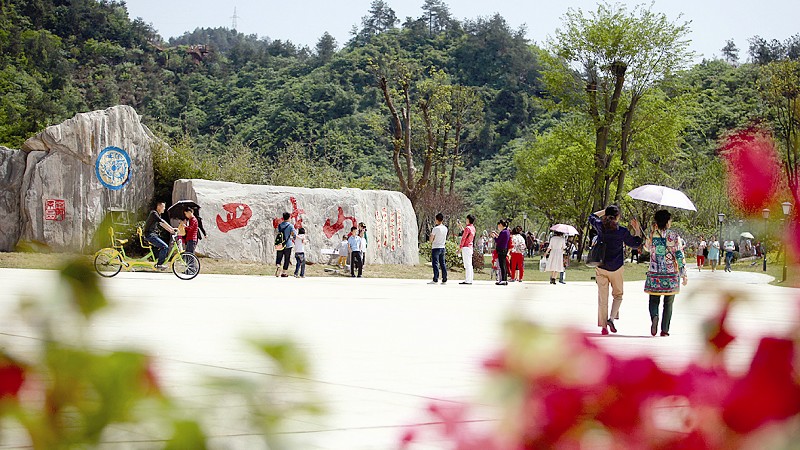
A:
{"x":233,"y":19}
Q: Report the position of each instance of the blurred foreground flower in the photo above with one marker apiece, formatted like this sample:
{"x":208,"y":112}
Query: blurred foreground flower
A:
{"x":562,"y":391}
{"x":753,"y":169}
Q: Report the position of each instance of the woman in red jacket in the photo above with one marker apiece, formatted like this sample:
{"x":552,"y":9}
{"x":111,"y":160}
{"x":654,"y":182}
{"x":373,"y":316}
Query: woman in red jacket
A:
{"x":190,"y":238}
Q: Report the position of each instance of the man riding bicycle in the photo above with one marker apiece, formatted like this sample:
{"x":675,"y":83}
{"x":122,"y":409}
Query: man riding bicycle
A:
{"x":151,"y":227}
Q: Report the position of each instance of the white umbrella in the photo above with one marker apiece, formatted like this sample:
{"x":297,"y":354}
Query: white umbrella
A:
{"x":663,"y":196}
{"x":564,"y":228}
{"x":747,"y":235}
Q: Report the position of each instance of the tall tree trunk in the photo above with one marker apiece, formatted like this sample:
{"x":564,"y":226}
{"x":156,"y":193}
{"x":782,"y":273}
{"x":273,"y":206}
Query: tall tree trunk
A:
{"x":626,"y":139}
{"x":603,"y":124}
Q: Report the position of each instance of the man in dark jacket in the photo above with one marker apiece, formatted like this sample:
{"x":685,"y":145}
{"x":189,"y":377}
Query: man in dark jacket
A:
{"x":152,"y":229}
{"x":611,"y":270}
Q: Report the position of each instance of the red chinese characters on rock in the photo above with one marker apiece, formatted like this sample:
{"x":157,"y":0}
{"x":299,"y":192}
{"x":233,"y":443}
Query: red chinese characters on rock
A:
{"x":293,"y":217}
{"x":55,"y":210}
{"x":330,"y":229}
{"x":238,"y":216}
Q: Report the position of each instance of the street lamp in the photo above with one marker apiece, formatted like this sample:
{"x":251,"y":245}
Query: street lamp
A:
{"x":524,"y":221}
{"x":720,"y":218}
{"x":765,"y":214}
{"x":787,"y":209}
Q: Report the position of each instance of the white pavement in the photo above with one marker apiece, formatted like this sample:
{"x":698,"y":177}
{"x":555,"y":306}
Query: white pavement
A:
{"x":381,"y":349}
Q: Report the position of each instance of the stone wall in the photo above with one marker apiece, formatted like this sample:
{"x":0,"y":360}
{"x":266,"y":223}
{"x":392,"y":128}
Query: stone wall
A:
{"x":241,"y":220}
{"x":66,"y":178}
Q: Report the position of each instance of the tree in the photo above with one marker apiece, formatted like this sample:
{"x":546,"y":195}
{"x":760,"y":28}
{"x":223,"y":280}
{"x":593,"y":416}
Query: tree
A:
{"x":437,"y":15}
{"x":380,"y":18}
{"x":779,"y":85}
{"x":326,"y":47}
{"x":731,"y":53}
{"x":600,"y":55}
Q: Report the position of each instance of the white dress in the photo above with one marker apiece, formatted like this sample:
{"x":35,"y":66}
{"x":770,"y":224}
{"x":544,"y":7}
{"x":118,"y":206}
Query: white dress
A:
{"x":555,"y":262}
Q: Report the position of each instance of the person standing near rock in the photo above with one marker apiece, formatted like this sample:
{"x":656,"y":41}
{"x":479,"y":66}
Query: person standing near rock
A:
{"x":438,"y":239}
{"x":152,"y":227}
{"x":611,"y":270}
{"x":362,"y":232}
{"x":284,"y":251}
{"x":300,"y":253}
{"x":192,"y":227}
{"x":466,"y":246}
{"x":354,"y":241}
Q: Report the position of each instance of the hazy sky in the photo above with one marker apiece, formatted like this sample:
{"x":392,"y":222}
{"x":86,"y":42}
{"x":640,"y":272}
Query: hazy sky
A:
{"x":304,"y":21}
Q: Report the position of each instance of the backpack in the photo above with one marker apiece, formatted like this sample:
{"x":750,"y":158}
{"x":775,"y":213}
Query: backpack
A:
{"x":597,"y":254}
{"x":280,"y":239}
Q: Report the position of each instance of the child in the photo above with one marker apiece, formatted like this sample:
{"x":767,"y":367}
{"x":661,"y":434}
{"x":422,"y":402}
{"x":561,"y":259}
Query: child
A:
{"x":344,"y":248}
{"x":300,"y":253}
{"x":495,"y":266}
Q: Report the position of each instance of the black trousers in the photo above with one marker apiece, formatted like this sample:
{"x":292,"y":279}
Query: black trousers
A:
{"x":502,"y":261}
{"x":284,"y":255}
{"x":355,"y":260}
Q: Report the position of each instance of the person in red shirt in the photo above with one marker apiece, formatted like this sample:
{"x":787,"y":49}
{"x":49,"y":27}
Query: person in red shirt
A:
{"x":467,"y":238}
{"x":191,"y":225}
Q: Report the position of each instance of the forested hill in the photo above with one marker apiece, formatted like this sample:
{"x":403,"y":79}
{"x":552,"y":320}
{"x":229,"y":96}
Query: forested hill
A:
{"x":62,"y":57}
{"x":258,"y":109}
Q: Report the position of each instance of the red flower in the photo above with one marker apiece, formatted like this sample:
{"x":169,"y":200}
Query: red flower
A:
{"x":12,"y":377}
{"x":768,"y":391}
{"x":753,"y":169}
{"x":630,"y":384}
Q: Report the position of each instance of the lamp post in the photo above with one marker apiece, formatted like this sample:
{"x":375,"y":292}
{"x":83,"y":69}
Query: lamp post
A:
{"x":525,"y":221}
{"x":765,"y":214}
{"x":787,"y":208}
{"x":720,"y":218}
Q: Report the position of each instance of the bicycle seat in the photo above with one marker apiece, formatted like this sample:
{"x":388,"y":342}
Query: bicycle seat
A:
{"x":122,"y":241}
{"x":141,"y":239}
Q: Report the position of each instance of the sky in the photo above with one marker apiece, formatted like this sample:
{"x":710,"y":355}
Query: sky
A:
{"x":713,"y":22}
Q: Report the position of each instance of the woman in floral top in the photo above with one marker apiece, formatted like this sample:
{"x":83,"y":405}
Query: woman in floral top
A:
{"x":666,"y":270}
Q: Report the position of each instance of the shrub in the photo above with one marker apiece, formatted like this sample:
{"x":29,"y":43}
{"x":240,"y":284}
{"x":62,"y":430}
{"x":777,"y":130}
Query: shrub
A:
{"x":452,"y":256}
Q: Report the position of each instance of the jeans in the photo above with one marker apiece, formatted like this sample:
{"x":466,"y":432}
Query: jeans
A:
{"x":161,"y":246}
{"x":728,"y":260}
{"x":355,"y":261}
{"x":301,"y":264}
{"x":466,"y":255}
{"x":190,"y":246}
{"x":502,"y":261}
{"x":667,"y":310}
{"x":437,"y":259}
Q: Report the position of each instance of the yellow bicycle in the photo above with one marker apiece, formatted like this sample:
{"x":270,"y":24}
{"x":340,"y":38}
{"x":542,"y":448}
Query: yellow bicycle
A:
{"x":110,"y":261}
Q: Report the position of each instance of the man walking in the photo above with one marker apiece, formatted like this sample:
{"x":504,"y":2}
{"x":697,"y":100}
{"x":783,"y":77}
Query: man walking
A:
{"x":438,"y":239}
{"x":354,"y":241}
{"x":284,"y":251}
{"x":152,"y":233}
{"x":467,"y":239}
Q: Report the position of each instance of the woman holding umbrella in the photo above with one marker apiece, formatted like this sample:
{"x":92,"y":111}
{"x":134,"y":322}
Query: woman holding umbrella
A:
{"x":666,"y":270}
{"x":555,"y":255}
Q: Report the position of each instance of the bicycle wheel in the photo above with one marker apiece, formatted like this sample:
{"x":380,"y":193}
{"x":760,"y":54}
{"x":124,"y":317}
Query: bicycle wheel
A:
{"x":186,"y":266}
{"x":107,"y":264}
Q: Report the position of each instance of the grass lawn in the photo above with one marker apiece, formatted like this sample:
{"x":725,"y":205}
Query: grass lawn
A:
{"x":423,"y":271}
{"x":774,"y":269}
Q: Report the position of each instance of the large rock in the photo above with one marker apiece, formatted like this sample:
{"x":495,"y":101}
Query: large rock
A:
{"x":12,"y":170}
{"x":241,"y":219}
{"x":78,"y":170}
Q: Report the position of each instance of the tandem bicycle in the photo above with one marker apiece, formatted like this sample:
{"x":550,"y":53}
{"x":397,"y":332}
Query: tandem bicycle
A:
{"x":110,"y":261}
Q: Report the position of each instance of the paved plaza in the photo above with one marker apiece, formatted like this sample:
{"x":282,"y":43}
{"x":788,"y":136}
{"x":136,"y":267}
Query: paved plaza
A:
{"x":381,"y":349}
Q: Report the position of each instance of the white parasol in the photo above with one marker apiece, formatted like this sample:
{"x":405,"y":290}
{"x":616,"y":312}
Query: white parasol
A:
{"x":663,"y":196}
{"x":564,"y":228}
